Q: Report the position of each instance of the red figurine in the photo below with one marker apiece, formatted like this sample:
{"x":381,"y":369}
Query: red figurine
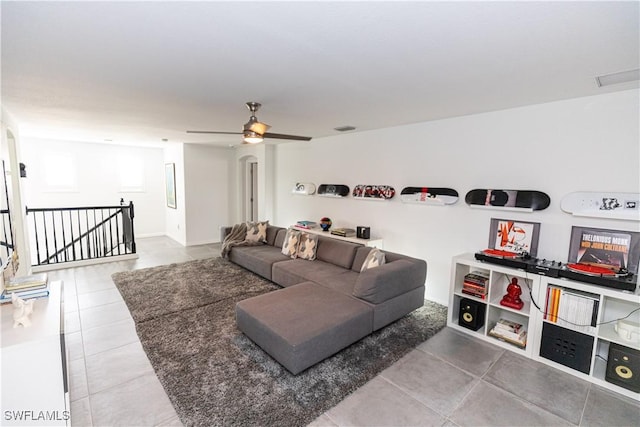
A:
{"x":512,"y":297}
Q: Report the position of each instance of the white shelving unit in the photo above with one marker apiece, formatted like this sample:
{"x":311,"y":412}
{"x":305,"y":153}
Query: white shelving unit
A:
{"x":613,"y":304}
{"x":499,"y":279}
{"x":374,"y":242}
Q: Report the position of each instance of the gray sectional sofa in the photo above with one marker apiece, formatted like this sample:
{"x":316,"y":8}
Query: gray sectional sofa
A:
{"x":326,"y":304}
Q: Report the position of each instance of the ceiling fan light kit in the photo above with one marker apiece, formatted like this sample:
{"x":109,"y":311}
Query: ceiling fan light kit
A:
{"x":254,"y":132}
{"x":250,"y":137}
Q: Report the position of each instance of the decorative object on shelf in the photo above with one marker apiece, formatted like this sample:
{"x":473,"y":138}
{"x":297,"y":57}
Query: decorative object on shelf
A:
{"x":363,"y":232}
{"x":519,"y":237}
{"x":512,"y":298}
{"x":305,"y":225}
{"x":603,"y":257}
{"x":343,"y":232}
{"x":429,"y":195}
{"x":325,"y":223}
{"x":304,"y":188}
{"x":374,"y":192}
{"x":170,"y":184}
{"x":625,"y":206}
{"x":333,"y":190}
{"x":627,"y":330}
{"x":515,"y":200}
{"x":21,"y":311}
{"x":511,"y":332}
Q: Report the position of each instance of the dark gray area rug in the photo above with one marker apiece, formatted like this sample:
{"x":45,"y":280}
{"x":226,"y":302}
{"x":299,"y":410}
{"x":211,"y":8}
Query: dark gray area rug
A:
{"x":215,"y":376}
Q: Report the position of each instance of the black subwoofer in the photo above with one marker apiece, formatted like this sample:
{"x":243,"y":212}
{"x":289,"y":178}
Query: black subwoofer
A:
{"x":623,"y":367}
{"x":471,"y":314}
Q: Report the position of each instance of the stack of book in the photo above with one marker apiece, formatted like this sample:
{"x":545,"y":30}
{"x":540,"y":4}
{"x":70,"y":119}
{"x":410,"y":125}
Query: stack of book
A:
{"x":343,"y":232}
{"x":475,"y":284}
{"x":510,"y":332}
{"x":26,"y":287}
{"x":306,"y":225}
{"x":572,"y":309}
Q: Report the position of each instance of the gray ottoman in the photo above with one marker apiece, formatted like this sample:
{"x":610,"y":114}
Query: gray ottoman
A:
{"x":303,"y":324}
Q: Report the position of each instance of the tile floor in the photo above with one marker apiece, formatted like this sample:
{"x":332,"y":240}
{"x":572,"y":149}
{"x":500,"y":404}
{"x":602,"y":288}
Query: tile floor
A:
{"x":452,"y":379}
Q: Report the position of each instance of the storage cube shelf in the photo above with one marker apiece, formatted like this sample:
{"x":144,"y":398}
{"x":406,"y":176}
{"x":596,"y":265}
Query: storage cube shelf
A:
{"x":613,"y":304}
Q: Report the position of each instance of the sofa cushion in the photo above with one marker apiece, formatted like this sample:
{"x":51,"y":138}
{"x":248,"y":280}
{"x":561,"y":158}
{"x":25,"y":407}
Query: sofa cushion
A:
{"x":257,"y":231}
{"x":343,"y":282}
{"x":307,"y":246}
{"x":336,"y":252}
{"x":304,"y":324}
{"x":375,"y":258}
{"x":377,"y":285}
{"x":257,"y":259}
{"x":279,"y":239}
{"x":291,"y":242}
{"x":272,"y":232}
{"x":292,"y":272}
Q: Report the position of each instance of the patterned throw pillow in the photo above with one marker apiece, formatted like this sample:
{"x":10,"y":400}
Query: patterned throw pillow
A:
{"x":375,"y":258}
{"x":307,"y":246}
{"x":257,"y":231}
{"x":291,"y":241}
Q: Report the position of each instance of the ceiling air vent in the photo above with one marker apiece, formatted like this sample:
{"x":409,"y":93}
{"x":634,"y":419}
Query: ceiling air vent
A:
{"x":344,"y":128}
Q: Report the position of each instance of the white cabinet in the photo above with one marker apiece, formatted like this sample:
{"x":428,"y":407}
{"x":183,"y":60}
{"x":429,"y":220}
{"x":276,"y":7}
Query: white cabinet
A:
{"x":35,"y":387}
{"x":612,"y":305}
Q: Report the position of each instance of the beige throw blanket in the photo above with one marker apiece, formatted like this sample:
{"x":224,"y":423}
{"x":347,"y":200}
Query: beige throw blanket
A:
{"x":236,"y":237}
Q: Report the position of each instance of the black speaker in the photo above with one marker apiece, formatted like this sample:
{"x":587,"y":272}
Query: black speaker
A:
{"x":363,"y":232}
{"x":471,"y":314}
{"x":623,"y":367}
{"x":567,"y":347}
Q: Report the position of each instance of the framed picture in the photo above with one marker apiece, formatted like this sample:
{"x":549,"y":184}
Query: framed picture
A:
{"x":611,"y":249}
{"x":170,"y":184}
{"x":514,"y":236}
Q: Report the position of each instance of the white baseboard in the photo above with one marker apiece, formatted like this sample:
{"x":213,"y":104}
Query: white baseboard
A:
{"x":83,"y":263}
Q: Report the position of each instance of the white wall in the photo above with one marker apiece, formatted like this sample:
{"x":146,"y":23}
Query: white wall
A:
{"x":175,"y":218}
{"x":97,"y":179}
{"x":584,"y":144}
{"x":207,"y":192}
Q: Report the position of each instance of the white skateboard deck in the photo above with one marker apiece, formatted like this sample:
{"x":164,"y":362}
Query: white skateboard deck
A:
{"x":624,"y":206}
{"x":304,"y":188}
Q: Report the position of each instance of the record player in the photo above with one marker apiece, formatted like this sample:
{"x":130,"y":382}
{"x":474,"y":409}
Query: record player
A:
{"x":522,"y":261}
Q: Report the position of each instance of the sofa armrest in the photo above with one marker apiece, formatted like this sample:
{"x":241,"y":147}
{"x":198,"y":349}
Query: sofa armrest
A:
{"x":224,"y":232}
{"x":379,"y":284}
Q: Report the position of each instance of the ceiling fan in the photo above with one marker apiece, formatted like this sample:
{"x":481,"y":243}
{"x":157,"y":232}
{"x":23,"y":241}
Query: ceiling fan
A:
{"x":253,"y":131}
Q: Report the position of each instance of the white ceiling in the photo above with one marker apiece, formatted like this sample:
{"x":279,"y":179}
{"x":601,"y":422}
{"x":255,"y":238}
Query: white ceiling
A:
{"x":139,"y":72}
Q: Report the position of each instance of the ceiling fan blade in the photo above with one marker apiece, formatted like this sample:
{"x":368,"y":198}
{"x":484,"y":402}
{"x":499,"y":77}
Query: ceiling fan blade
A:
{"x":214,"y":132}
{"x":283,"y":136}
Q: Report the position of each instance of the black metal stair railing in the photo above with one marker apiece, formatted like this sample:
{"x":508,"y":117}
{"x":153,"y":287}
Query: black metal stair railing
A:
{"x":80,"y":233}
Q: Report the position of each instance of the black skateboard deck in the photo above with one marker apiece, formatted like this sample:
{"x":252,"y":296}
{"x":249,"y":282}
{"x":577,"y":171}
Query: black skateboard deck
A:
{"x":378,"y":192}
{"x":429,"y":195}
{"x":333,"y":190}
{"x":522,"y":199}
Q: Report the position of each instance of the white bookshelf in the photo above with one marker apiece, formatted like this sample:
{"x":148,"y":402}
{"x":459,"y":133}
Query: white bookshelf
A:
{"x":613,"y":304}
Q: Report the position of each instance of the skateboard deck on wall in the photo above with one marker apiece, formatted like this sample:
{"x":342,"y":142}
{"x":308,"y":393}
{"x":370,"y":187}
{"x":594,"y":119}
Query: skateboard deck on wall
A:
{"x":508,"y":199}
{"x":429,"y":195}
{"x":374,"y":192}
{"x":304,"y":188}
{"x":333,"y":190}
{"x":603,"y":205}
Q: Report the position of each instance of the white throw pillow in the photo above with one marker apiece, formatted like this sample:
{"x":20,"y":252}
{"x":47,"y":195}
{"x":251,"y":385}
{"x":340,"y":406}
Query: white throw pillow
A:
{"x":375,"y":258}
